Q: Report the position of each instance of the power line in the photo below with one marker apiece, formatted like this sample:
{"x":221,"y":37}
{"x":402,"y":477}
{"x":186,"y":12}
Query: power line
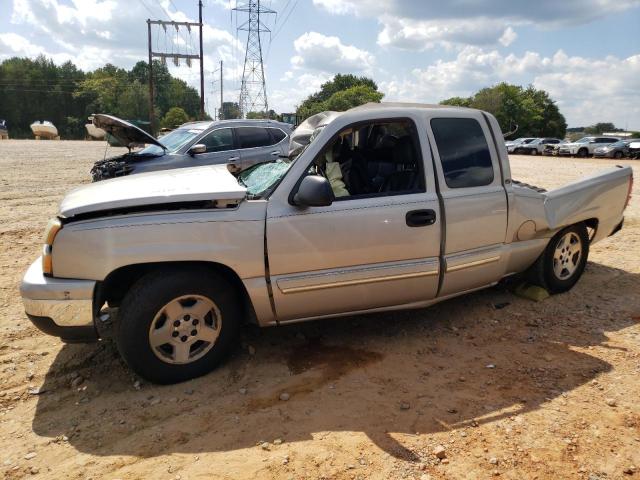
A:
{"x":282,"y":24}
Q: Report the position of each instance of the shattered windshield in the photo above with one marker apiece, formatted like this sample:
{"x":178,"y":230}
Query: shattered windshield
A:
{"x":262,"y":178}
{"x":172,"y":140}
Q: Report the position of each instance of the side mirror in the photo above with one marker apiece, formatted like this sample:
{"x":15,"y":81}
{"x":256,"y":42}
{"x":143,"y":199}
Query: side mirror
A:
{"x":314,"y":191}
{"x":197,"y":148}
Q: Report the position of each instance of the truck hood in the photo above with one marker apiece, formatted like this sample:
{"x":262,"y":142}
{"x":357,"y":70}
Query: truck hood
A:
{"x":208,"y":183}
{"x":126,"y":133}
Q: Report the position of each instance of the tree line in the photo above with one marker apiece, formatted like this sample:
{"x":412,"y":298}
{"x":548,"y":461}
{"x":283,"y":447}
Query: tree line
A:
{"x":65,"y":95}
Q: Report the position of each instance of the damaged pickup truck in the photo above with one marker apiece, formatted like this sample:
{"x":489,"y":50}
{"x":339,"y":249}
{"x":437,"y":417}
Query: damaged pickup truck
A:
{"x":387,"y":206}
{"x":239,"y":143}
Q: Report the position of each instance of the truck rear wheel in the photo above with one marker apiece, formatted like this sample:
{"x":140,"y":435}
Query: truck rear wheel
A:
{"x":177,"y":323}
{"x":562,"y":263}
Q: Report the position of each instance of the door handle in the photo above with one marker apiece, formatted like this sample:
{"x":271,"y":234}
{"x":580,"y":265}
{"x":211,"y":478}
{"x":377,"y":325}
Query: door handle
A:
{"x":233,"y":159}
{"x":420,"y":218}
{"x":275,"y":153}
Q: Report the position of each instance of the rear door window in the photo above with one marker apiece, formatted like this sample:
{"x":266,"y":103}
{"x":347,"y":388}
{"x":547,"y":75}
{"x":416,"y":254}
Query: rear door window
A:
{"x":251,"y":137}
{"x":277,"y":135}
{"x":464,"y":152}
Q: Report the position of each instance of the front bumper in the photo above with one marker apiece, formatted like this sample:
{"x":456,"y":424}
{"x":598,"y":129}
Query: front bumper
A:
{"x":58,"y":306}
{"x":609,"y":154}
{"x":567,"y":151}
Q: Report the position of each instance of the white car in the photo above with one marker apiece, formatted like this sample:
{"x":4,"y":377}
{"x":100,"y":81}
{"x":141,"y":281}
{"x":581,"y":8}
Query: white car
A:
{"x":585,"y":146}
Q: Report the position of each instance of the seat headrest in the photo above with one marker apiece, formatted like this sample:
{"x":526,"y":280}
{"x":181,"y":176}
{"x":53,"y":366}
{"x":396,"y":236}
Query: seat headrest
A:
{"x":387,"y":141}
{"x":403,"y":151}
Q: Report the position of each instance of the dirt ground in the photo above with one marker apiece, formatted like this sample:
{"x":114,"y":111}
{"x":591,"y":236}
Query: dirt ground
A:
{"x":510,"y":388}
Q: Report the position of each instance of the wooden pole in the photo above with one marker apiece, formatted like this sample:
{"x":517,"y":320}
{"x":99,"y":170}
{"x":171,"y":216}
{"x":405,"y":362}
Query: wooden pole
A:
{"x":201,"y":66}
{"x":151,"y":113}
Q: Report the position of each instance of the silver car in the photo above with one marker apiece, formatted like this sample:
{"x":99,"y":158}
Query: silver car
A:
{"x":514,"y":145}
{"x":240,"y":143}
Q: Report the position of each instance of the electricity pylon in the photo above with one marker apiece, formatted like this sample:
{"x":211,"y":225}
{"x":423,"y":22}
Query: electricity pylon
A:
{"x":253,"y":90}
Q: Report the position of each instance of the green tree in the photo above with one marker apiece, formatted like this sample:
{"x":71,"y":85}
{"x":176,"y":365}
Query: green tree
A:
{"x":601,"y":127}
{"x":319,"y":101}
{"x":535,"y":113}
{"x":38,"y":89}
{"x":352,"y":97}
{"x":175,"y":117}
{"x":457,"y":102}
{"x":271,"y":115}
{"x":230,"y":110}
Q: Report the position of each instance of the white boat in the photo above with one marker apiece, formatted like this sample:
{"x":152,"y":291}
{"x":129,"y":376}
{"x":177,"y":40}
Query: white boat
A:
{"x":44,"y":129}
{"x":94,"y":132}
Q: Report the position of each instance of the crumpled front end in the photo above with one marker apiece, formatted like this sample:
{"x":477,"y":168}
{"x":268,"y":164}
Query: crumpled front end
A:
{"x":111,"y":168}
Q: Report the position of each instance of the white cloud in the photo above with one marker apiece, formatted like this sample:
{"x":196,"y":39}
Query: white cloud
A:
{"x":93,"y":32}
{"x":14,"y":44}
{"x":315,"y":51}
{"x":413,"y":34}
{"x":508,"y":37}
{"x":587,"y":90}
{"x":418,"y":25}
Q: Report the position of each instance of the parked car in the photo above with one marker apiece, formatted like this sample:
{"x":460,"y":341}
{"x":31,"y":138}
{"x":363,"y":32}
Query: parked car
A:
{"x":242,"y":143}
{"x":585,"y":146}
{"x":619,"y":149}
{"x":386,"y":207}
{"x":512,"y":146}
{"x":634,"y":150}
{"x":537,"y":146}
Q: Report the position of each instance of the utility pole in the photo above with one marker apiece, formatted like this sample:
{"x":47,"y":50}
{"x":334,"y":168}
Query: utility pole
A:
{"x":253,"y":90}
{"x":201,"y":64}
{"x":151,"y":113}
{"x":175,"y":57}
{"x":221,"y":96}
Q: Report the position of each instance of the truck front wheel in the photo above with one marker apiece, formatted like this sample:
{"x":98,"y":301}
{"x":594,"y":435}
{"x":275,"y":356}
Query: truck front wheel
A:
{"x":177,"y":324}
{"x":562,"y":263}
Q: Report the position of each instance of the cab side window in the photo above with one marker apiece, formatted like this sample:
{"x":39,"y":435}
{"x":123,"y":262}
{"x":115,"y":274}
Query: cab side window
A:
{"x":464,"y":153}
{"x":371,"y":160}
{"x":219,"y":140}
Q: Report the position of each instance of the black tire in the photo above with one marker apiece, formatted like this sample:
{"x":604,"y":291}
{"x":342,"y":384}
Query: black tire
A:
{"x":518,"y":151}
{"x":583,"y":153}
{"x":617,"y":155}
{"x":148,"y":296}
{"x":533,"y":152}
{"x":542,"y":272}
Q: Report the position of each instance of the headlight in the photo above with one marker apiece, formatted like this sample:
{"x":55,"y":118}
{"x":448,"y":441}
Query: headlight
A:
{"x":53,"y":227}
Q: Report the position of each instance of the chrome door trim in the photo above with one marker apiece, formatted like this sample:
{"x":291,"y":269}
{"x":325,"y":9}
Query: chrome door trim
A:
{"x":357,"y":276}
{"x":363,"y":281}
{"x":476,"y":263}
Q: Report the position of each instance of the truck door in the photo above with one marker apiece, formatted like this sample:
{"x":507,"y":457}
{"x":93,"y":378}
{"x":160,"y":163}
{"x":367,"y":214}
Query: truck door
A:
{"x":474,"y":198}
{"x":376,"y":245}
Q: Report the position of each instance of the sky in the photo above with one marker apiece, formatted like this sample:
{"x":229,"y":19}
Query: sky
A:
{"x":585,"y":53}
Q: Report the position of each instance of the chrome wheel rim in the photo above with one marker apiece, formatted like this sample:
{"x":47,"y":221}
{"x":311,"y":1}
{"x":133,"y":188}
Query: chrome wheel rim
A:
{"x":185,"y":329}
{"x":567,"y":256}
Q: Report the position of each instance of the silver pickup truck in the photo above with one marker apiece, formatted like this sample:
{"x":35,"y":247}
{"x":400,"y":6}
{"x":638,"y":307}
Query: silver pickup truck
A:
{"x":385,"y":206}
